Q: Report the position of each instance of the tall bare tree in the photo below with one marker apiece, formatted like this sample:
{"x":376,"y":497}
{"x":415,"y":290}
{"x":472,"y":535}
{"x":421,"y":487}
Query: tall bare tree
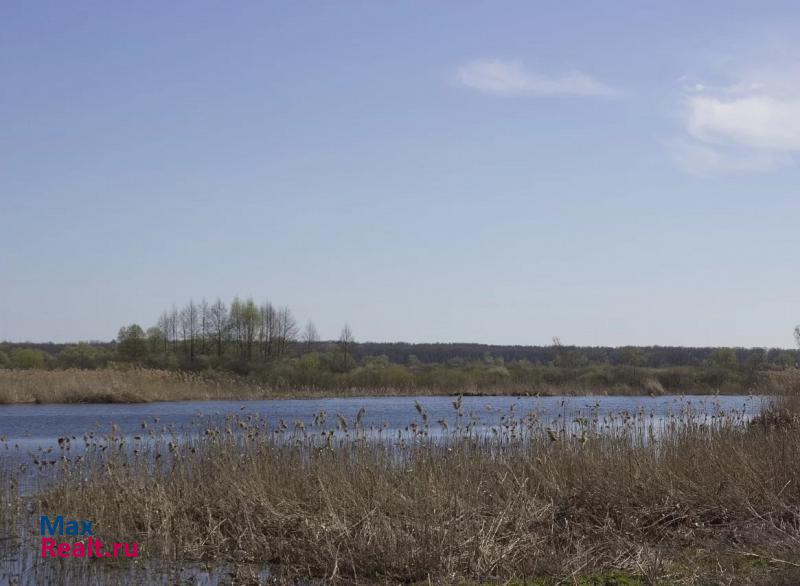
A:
{"x":205,"y":320}
{"x":310,"y":336}
{"x":164,"y":326}
{"x":173,"y":328}
{"x":346,"y":342}
{"x":218,"y":317}
{"x":286,"y":329}
{"x":267,"y":330}
{"x":189,"y":328}
{"x":236,"y":325}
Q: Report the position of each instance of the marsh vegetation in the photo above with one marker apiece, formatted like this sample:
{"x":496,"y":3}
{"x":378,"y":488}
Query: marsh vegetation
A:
{"x":132,"y":384}
{"x":695,"y":498}
{"x":248,"y":350}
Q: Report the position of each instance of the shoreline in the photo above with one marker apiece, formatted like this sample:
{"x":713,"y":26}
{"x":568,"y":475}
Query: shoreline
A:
{"x":360,"y":394}
{"x":699,"y":502}
{"x":356,"y":396}
{"x":144,"y":385}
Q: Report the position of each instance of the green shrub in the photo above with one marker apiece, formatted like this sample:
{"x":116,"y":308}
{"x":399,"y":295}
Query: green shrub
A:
{"x":26,"y":358}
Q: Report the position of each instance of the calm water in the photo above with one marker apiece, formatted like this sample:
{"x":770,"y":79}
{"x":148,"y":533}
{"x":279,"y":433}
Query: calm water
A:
{"x":35,"y":427}
{"x":32,"y":431}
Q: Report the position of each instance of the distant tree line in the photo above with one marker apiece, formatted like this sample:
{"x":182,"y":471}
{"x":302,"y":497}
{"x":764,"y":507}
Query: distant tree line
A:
{"x":264,"y":340}
{"x":242,"y":337}
{"x":576,"y":356}
{"x":204,"y":334}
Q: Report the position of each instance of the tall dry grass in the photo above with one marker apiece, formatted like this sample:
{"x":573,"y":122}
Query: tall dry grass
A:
{"x":692,"y":502}
{"x":140,"y":385}
{"x":131,"y":385}
{"x":134,"y":385}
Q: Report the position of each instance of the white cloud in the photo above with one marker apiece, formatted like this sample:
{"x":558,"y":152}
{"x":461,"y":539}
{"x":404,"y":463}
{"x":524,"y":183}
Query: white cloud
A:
{"x":760,"y":122}
{"x":709,"y":160}
{"x":752,"y":125}
{"x":510,"y":78}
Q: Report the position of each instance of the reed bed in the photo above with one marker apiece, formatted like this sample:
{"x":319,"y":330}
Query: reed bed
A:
{"x":142,"y":385}
{"x":692,"y":499}
{"x":136,"y":385}
{"x":133,"y":385}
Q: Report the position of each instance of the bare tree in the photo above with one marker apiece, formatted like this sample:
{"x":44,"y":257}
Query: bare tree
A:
{"x":267,"y":329}
{"x":205,"y":319}
{"x":250,"y":319}
{"x":189,"y":328}
{"x":286,"y":329}
{"x":237,"y":325}
{"x":218,"y":318}
{"x":310,"y":336}
{"x":164,"y":326}
{"x":346,"y":342}
{"x":173,"y":328}
{"x":256,"y":331}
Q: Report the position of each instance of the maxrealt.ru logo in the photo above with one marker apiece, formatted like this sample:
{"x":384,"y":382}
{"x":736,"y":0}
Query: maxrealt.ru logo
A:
{"x":91,"y":547}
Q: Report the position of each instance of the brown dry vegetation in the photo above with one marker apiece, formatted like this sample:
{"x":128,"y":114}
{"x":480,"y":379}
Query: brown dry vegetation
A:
{"x":136,"y":385}
{"x":141,"y":385}
{"x":704,"y":503}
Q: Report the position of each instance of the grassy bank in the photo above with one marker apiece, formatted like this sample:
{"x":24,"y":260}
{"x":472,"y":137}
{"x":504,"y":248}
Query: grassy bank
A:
{"x":134,"y":384}
{"x":691,"y":502}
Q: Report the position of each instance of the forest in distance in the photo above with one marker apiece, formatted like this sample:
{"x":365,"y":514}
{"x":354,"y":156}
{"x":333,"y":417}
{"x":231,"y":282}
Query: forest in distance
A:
{"x":262,"y":347}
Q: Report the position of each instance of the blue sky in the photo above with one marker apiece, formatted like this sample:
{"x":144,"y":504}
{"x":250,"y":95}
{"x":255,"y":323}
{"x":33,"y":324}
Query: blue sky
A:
{"x":501,"y":172}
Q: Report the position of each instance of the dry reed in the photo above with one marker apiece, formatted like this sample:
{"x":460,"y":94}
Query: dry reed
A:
{"x":691,"y":502}
{"x":134,"y":385}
